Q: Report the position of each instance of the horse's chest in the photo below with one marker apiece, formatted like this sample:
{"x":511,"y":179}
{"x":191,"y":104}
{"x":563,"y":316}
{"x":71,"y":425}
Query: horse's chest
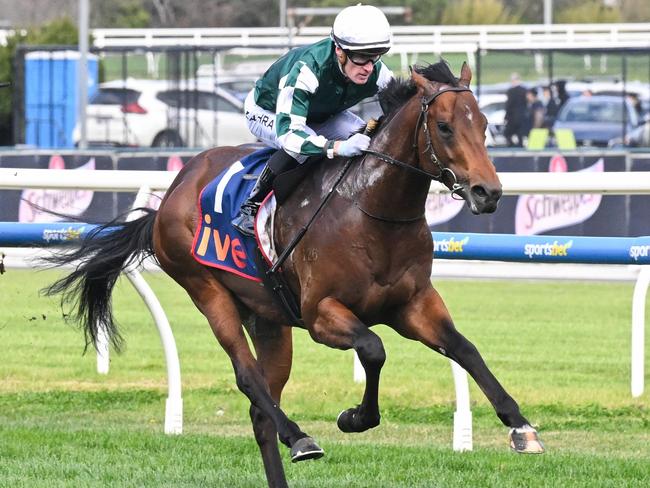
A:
{"x":392,"y":282}
{"x":383,"y":289}
{"x":387,"y":295}
{"x":356,"y":279}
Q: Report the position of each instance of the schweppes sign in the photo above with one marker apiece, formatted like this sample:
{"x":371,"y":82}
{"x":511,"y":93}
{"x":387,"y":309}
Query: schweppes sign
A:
{"x":536,"y":214}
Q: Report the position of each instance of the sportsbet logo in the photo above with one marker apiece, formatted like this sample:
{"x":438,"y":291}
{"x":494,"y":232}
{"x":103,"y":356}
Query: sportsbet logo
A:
{"x":637,"y":252}
{"x":547,"y":249}
{"x":450,"y":245}
{"x":62,"y":235}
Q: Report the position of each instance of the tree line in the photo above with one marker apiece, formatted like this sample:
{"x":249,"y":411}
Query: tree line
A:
{"x":265,"y":13}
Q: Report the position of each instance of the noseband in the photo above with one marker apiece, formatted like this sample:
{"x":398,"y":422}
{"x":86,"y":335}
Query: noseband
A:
{"x":422,"y":121}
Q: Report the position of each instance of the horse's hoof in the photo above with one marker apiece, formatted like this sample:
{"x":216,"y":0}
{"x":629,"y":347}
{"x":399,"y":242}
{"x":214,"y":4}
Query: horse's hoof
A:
{"x":306,"y":448}
{"x":350,"y":421}
{"x":525,"y":440}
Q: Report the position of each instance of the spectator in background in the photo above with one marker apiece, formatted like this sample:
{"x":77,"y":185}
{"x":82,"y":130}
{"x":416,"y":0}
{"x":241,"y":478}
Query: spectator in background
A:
{"x":535,"y":110}
{"x":516,"y":126}
{"x":562,"y":94}
{"x":551,"y":106}
{"x":634,"y":100}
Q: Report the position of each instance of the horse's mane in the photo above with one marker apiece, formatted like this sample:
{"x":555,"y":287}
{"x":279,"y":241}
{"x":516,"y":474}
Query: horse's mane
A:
{"x":398,"y":91}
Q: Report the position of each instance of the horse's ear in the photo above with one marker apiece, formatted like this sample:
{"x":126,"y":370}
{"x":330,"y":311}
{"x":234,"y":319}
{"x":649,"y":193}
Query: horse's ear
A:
{"x":465,"y":75}
{"x":420,"y":81}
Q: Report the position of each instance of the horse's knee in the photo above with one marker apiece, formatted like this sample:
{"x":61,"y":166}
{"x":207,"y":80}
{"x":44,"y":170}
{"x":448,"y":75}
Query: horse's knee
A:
{"x":448,"y":341}
{"x":370,"y":350}
{"x":461,"y":345}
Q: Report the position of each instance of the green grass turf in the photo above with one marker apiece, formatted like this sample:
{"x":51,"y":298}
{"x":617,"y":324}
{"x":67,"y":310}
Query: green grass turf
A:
{"x":561,"y":349}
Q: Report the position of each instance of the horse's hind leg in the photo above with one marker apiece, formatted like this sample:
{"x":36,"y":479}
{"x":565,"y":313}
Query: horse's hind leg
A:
{"x":336,"y":326}
{"x":216,"y":303}
{"x":274,"y":354}
{"x":273,"y":347}
{"x":426,"y":319}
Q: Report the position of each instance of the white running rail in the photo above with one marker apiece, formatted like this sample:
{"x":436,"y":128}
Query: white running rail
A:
{"x":413,"y":38}
{"x":407,"y":39}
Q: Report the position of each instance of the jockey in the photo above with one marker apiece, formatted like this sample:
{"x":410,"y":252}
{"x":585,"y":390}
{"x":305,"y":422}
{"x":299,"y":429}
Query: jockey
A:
{"x":300,"y":105}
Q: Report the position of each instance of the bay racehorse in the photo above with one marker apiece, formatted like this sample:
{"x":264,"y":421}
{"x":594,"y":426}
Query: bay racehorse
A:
{"x":366,"y":260}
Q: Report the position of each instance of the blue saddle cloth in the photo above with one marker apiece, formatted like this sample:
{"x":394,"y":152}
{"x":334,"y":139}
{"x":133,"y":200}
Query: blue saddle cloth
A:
{"x":216,"y":242}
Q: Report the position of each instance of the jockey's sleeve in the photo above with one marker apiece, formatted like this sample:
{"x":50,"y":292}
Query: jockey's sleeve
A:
{"x":385,"y":75}
{"x":295,"y":92}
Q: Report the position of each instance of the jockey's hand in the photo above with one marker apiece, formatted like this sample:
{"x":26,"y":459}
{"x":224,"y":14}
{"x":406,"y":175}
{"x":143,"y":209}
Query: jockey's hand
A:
{"x":354,"y":146}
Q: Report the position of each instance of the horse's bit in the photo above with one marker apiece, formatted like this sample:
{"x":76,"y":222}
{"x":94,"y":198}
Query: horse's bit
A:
{"x":422,"y":121}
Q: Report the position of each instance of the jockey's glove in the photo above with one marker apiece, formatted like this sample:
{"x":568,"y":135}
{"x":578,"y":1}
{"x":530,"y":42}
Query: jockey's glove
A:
{"x":354,"y":146}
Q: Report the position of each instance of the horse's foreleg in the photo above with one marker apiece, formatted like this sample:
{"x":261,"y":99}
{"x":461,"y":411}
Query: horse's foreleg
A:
{"x":336,"y":326}
{"x":427,"y":319}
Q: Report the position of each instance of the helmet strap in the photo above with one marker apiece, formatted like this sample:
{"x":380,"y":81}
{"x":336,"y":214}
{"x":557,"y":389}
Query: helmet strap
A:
{"x":341,"y":58}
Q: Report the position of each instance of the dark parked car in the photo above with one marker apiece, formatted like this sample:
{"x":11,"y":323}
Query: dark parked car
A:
{"x":596,"y":120}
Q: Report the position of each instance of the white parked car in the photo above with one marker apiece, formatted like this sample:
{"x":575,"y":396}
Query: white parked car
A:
{"x":238,"y":82}
{"x":493,"y":106}
{"x":161,"y":113}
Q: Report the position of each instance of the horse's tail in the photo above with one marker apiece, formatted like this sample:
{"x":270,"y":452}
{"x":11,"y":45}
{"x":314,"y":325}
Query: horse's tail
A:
{"x":99,"y":259}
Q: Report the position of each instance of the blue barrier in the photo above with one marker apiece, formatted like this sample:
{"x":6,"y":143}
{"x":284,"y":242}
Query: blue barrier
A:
{"x":447,"y":245}
{"x":542,"y":249}
{"x":20,"y":234}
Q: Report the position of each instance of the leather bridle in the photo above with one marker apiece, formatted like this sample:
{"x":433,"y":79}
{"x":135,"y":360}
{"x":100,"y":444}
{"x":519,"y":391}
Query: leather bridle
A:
{"x":455,"y":187}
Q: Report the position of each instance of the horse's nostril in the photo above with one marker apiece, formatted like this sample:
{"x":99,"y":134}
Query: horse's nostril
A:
{"x":479,"y":192}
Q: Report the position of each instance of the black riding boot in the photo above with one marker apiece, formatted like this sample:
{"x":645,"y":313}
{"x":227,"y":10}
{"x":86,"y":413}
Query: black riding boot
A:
{"x":245,"y":221}
{"x":277,"y":164}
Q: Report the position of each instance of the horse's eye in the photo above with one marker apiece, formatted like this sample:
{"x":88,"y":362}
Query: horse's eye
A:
{"x":445,"y":129}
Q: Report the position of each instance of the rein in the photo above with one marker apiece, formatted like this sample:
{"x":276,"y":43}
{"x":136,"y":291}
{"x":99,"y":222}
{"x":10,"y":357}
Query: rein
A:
{"x":301,"y":232}
{"x":422,"y":121}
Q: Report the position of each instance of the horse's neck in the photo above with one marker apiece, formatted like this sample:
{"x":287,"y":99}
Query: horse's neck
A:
{"x":385,"y":189}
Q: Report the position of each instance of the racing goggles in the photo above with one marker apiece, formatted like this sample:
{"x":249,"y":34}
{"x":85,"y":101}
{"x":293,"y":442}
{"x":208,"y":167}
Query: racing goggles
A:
{"x":361,"y":59}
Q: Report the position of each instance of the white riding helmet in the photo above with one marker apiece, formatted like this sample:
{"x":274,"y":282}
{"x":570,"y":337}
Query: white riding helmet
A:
{"x":363,"y":29}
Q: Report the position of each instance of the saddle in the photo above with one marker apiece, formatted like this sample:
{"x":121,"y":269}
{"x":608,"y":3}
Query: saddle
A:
{"x":219,"y":245}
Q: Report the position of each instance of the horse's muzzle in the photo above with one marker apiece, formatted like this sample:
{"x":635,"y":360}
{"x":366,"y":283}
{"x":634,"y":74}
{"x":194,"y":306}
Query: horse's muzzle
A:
{"x":483,"y":199}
